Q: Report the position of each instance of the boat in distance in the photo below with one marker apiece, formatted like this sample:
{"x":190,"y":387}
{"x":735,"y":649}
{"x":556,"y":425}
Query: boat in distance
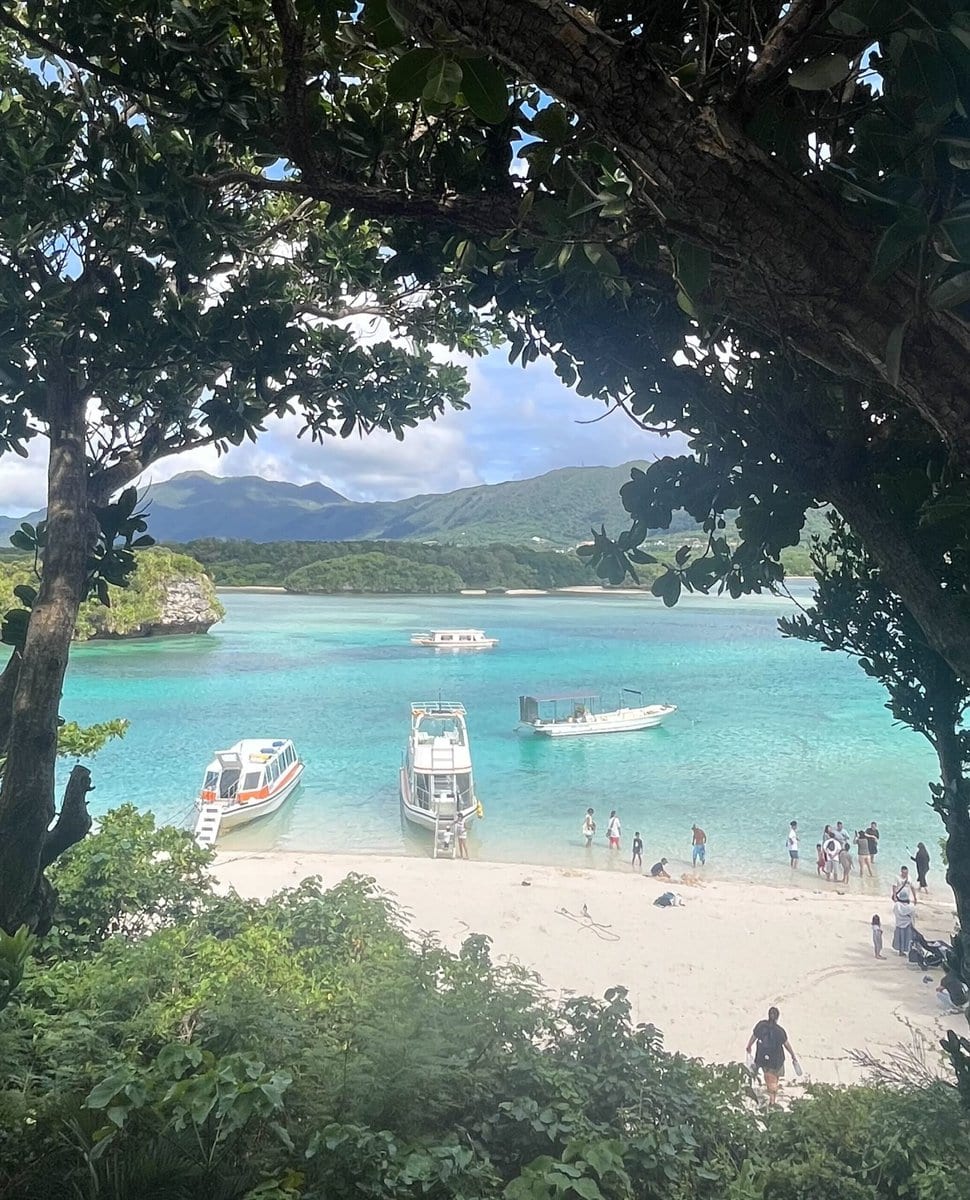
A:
{"x":251,"y":779}
{"x":576,"y":715}
{"x":436,"y":779}
{"x":454,"y":639}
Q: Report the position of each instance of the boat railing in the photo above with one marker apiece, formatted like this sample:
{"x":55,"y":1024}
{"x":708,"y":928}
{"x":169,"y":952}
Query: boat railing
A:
{"x":436,"y":707}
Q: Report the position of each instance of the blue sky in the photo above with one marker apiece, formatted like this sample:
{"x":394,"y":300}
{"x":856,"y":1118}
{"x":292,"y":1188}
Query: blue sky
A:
{"x":521,"y":423}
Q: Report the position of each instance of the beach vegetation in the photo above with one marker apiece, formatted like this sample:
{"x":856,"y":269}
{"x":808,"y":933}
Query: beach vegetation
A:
{"x":170,"y":1041}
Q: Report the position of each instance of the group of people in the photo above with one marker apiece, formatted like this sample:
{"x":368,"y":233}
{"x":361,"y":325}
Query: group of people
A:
{"x":833,"y":854}
{"x":614,"y":833}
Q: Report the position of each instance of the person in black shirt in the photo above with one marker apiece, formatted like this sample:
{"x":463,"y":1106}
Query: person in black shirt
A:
{"x":922,"y":860}
{"x":659,"y":870}
{"x":637,"y":860}
{"x":772,"y":1042}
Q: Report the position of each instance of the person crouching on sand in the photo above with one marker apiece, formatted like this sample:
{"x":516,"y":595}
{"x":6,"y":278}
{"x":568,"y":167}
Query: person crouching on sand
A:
{"x":659,"y":870}
{"x":769,"y":1058}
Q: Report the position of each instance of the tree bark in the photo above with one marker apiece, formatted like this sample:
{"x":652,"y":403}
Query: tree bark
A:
{"x":27,"y":791}
{"x":798,"y":268}
{"x":955,"y":811}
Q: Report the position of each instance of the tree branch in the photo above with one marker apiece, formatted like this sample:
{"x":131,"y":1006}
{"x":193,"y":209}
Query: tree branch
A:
{"x":782,"y":46}
{"x":73,"y":821}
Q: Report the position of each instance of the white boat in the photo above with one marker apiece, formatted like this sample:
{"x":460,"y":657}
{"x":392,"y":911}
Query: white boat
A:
{"x":436,"y":774}
{"x":454,"y":639}
{"x":249,"y":780}
{"x":576,"y":716}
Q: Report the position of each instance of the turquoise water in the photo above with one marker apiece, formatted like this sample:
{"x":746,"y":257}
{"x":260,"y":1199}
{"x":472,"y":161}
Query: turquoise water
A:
{"x":767,"y":729}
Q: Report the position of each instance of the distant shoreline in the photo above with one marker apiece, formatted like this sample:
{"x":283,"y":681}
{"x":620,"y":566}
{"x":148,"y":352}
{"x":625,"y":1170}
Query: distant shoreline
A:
{"x":591,"y":589}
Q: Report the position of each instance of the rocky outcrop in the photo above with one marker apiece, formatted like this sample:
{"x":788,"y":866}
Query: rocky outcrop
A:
{"x":188,"y":606}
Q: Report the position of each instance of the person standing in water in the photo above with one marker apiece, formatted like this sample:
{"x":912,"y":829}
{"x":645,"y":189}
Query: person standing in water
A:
{"x":861,"y":840}
{"x":613,"y":830}
{"x":589,"y":828}
{"x":637,"y":859}
{"x":922,"y":860}
{"x":769,"y":1057}
{"x":792,"y":845}
{"x":698,"y":846}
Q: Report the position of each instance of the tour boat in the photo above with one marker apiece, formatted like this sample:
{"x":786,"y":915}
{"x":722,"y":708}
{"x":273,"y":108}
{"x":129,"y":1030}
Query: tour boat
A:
{"x":575,"y":716}
{"x":249,"y":780}
{"x":454,"y":639}
{"x":436,"y":774}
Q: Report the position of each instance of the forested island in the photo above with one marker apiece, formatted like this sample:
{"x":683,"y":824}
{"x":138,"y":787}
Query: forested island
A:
{"x":411,"y":567}
{"x":170,"y":593}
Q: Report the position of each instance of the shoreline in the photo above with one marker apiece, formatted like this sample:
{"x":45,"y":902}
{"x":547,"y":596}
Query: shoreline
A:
{"x":808,"y":951}
{"x":475,"y":593}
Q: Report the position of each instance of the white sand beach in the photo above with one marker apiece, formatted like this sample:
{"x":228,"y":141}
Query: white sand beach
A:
{"x":703,"y":973}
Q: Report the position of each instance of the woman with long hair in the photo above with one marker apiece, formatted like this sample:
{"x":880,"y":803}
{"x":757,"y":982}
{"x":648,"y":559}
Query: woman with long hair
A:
{"x":771,"y":1041}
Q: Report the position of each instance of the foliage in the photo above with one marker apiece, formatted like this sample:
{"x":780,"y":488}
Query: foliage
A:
{"x":308,"y":1047}
{"x":251,"y":564}
{"x":373,"y":572}
{"x":138,"y":603}
{"x":133,"y":877}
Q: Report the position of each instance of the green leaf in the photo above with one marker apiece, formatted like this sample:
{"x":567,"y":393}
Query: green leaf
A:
{"x":384,"y":29}
{"x":955,"y":231}
{"x":693,"y":268}
{"x":407,"y":77}
{"x":894,"y":351}
{"x":444,"y":80}
{"x":950,"y":293}
{"x":866,"y":16}
{"x":897,"y":242}
{"x":820,"y":75}
{"x":667,"y":587}
{"x":586,"y":1188}
{"x":484,"y":88}
{"x":924,"y":74}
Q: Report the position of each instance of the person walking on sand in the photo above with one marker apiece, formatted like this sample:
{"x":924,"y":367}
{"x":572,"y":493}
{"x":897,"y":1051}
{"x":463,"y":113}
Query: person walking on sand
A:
{"x":698,"y":846}
{"x":771,"y":1042}
{"x":461,"y":833}
{"x":791,"y":844}
{"x":637,"y":859}
{"x":903,"y":913}
{"x":862,"y":852}
{"x":589,"y":828}
{"x":877,"y":936}
{"x":613,"y":830}
{"x":922,"y":860}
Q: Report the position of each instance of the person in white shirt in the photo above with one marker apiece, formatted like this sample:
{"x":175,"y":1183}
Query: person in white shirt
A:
{"x":792,"y":844}
{"x":613,"y":830}
{"x":589,"y":827}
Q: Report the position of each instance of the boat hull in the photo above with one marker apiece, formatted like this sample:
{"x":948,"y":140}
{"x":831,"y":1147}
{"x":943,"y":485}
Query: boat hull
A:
{"x":421,"y":817}
{"x":234,"y":815}
{"x":484,"y":644}
{"x":622,"y":721}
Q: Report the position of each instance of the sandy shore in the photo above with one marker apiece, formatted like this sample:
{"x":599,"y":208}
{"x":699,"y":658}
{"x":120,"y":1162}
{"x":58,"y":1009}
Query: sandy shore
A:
{"x":703,"y":973}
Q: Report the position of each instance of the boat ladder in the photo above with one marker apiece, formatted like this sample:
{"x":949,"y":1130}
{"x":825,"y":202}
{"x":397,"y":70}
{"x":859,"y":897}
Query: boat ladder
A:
{"x":445,"y":842}
{"x":207,"y":826}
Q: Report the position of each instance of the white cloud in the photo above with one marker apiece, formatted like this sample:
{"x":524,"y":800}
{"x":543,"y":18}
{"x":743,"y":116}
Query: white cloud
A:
{"x":521,"y":423}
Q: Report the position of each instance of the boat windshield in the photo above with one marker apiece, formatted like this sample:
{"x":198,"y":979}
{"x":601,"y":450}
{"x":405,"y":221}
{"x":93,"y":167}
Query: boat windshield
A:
{"x":210,"y":781}
{"x":441,"y":727}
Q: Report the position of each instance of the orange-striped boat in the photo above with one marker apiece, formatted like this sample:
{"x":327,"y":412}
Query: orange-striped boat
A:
{"x":249,"y":780}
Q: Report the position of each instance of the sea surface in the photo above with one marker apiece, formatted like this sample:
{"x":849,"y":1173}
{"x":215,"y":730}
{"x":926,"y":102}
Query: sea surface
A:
{"x":767,"y":729}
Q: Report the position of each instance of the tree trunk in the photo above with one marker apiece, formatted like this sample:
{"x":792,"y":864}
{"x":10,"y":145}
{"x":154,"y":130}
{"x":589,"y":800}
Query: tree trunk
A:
{"x":797,"y":268}
{"x":27,"y":791}
{"x":954,"y":808}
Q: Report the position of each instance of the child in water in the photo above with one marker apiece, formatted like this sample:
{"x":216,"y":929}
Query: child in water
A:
{"x":637,"y":860}
{"x":819,"y":859}
{"x":877,"y":937}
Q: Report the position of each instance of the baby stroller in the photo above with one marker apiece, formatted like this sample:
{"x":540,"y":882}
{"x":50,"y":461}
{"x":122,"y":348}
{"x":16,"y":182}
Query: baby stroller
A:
{"x":926,"y":954}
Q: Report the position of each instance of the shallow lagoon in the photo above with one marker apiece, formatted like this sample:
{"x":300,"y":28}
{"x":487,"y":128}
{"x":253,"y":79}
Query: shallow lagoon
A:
{"x":767,"y":729}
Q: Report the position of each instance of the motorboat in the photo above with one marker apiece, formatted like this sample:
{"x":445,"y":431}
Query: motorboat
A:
{"x":577,"y":715}
{"x":436,"y":774}
{"x":454,"y":639}
{"x":251,"y":779}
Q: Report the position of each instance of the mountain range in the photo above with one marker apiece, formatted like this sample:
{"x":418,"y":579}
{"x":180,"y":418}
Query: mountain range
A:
{"x":559,"y":507}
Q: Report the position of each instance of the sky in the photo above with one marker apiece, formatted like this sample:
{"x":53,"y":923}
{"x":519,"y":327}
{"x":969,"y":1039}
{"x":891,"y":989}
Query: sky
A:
{"x":521,"y":423}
